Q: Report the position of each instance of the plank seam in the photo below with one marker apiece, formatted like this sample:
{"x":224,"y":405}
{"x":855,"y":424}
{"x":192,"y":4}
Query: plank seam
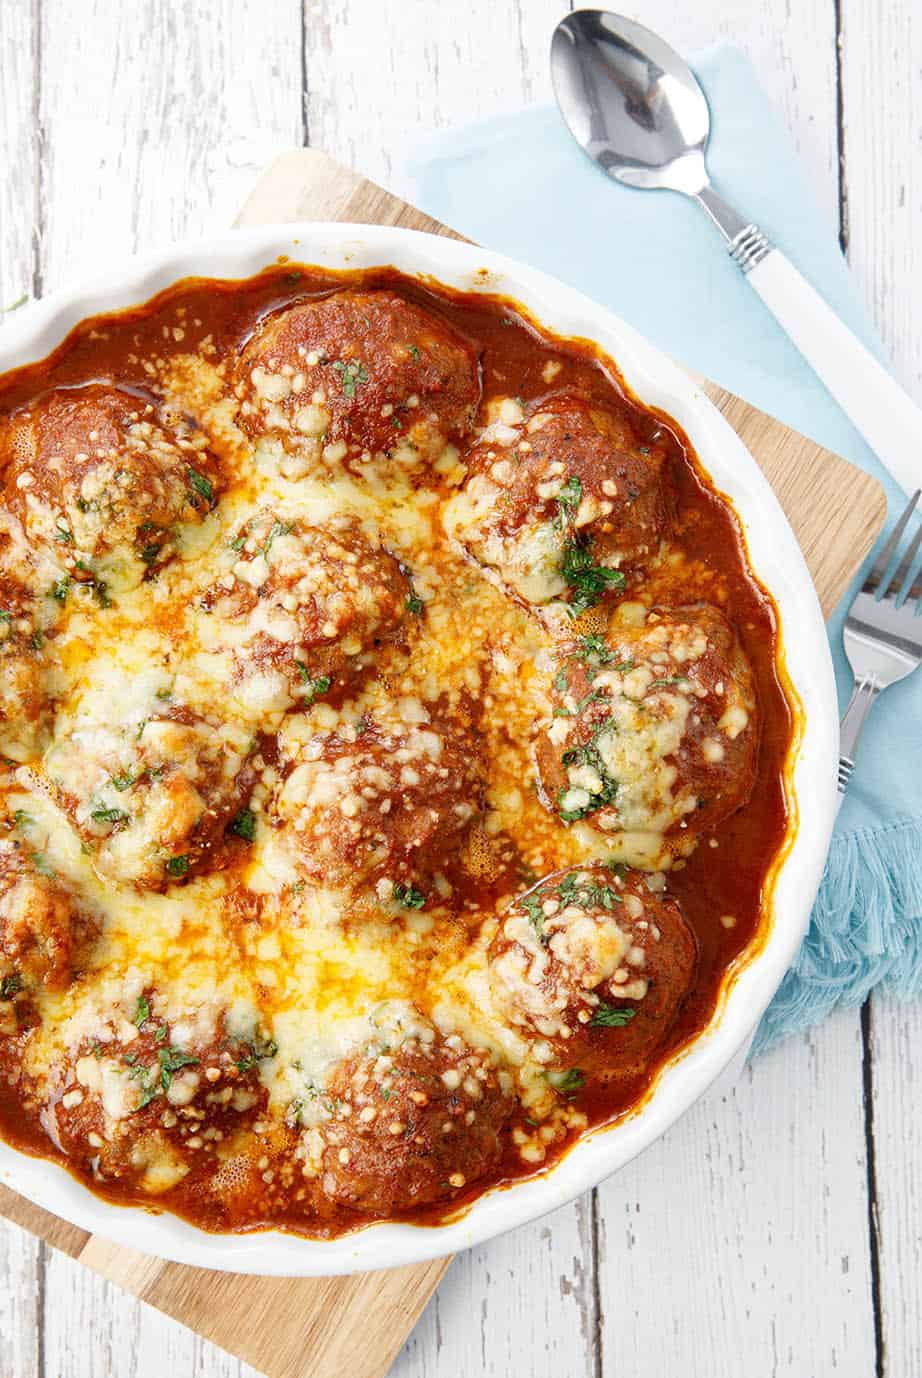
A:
{"x":305,"y":119}
{"x":870,"y":1147}
{"x":38,"y":193}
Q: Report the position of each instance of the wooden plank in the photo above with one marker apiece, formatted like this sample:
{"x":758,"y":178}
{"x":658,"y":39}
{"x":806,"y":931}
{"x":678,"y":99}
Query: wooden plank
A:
{"x":747,"y":1225}
{"x":413,"y":67}
{"x":523,"y":1304}
{"x":157,"y":118}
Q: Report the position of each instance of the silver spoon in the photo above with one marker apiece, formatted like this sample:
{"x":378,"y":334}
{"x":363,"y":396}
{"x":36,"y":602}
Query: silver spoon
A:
{"x":636,"y":108}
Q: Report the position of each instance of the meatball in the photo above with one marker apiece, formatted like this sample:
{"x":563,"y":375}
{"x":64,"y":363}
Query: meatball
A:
{"x":93,"y":468}
{"x":136,"y":1097}
{"x":353,"y":375}
{"x":152,"y":796}
{"x":387,"y":806}
{"x":563,"y":503}
{"x":313,"y":604}
{"x":594,"y":963}
{"x":413,"y":1124}
{"x":41,"y":926}
{"x":655,"y":728}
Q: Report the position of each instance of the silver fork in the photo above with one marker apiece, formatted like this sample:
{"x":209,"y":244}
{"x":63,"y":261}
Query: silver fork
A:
{"x":883,"y":637}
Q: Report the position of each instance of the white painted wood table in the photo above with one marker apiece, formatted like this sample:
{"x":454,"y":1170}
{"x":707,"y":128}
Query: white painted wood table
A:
{"x":776,"y":1231}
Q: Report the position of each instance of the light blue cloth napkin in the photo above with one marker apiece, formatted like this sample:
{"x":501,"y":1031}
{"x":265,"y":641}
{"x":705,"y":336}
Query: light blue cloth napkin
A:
{"x":520,"y":185}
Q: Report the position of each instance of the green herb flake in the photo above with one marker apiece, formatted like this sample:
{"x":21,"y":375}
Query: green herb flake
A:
{"x":244,"y":825}
{"x":532,"y":904}
{"x":62,"y":534}
{"x":22,"y":819}
{"x":38,"y":639}
{"x":587,"y":580}
{"x":142,"y":1011}
{"x":611,"y":1017}
{"x":568,"y":1082}
{"x":258,"y":1049}
{"x":570,"y":495}
{"x":409,"y":897}
{"x":10,"y":985}
{"x":178,"y":866}
{"x":123,"y":781}
{"x":312,"y":688}
{"x":351,"y":374}
{"x":60,"y":589}
{"x":201,"y":486}
{"x":173,"y":1060}
{"x":414,"y":604}
{"x":104,"y":815}
{"x":414,"y":350}
{"x":593,"y":647}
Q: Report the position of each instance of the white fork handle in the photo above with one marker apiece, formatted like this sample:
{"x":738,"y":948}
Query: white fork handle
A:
{"x":860,"y":704}
{"x":873,"y":401}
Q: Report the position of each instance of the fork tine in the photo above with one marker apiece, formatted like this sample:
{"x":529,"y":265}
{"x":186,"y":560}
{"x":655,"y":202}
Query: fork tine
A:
{"x":886,"y":555}
{"x":895,"y":584}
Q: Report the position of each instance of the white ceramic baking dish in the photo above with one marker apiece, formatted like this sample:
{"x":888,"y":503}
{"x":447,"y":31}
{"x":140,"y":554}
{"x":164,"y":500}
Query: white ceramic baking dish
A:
{"x":776,"y":560}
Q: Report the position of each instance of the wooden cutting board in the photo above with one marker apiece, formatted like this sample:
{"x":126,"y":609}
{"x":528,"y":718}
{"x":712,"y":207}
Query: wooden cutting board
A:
{"x":353,"y":1327}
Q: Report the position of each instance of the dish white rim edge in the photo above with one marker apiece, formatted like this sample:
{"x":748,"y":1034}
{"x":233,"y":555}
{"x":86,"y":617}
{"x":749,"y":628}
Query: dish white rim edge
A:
{"x":774,"y":556}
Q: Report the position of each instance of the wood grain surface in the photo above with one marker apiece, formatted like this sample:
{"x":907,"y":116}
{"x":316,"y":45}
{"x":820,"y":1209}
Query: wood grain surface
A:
{"x":776,"y":1230}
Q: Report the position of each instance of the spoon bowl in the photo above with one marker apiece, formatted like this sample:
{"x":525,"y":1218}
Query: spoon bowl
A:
{"x":630,"y":101}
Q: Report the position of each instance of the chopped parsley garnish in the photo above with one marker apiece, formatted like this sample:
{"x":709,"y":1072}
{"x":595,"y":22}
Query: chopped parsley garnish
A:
{"x":277,"y":529}
{"x":573,"y":890}
{"x":150,"y":553}
{"x":201,"y":487}
{"x":104,"y":815}
{"x":62,"y":534}
{"x":414,"y":350}
{"x":123,"y":781}
{"x":414,"y":604}
{"x":38,"y":639}
{"x":22,"y":819}
{"x":41,"y":864}
{"x":177,"y":866}
{"x":259,"y":1048}
{"x":10,"y":985}
{"x":587,"y":755}
{"x":611,"y":1017}
{"x":60,"y":589}
{"x":567,"y":1082}
{"x":244,"y":825}
{"x":618,"y":868}
{"x":570,"y":495}
{"x":594,"y":647}
{"x":5,"y":616}
{"x":312,"y":688}
{"x":662,"y":683}
{"x":532,"y":904}
{"x":351,"y":374}
{"x":409,"y":897}
{"x":587,"y":579}
{"x":99,"y":587}
{"x":172,"y":1060}
{"x":142,"y":1011}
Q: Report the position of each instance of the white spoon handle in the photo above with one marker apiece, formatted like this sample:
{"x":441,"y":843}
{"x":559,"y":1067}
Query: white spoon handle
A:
{"x":873,"y":401}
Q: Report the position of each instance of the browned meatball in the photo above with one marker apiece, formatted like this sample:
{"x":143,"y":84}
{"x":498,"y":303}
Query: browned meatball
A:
{"x":153,"y":795}
{"x":412,"y":1125}
{"x":316,"y":603}
{"x":357,"y":374}
{"x":42,"y":927}
{"x":596,"y":964}
{"x":656,"y":727}
{"x":147,"y":1098}
{"x":562,"y":503}
{"x":387,"y":807}
{"x":93,"y":468}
